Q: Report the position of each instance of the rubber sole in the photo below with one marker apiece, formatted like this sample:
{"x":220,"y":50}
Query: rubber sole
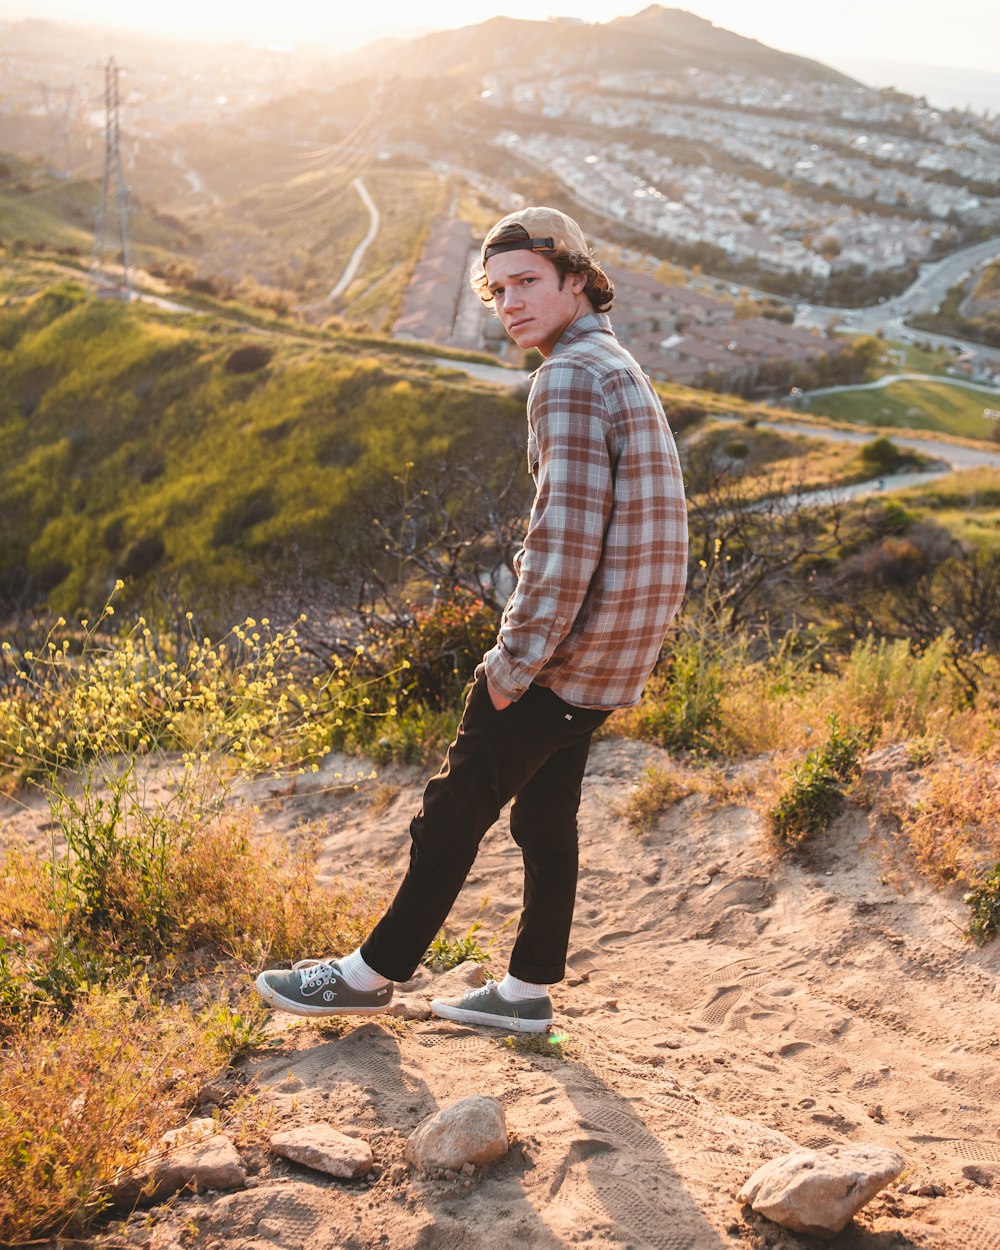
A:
{"x":273,"y":999}
{"x":512,"y":1024}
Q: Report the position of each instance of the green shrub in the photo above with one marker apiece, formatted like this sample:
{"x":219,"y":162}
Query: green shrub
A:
{"x":984,"y":902}
{"x":881,"y":456}
{"x":682,"y":706}
{"x":812,"y":797}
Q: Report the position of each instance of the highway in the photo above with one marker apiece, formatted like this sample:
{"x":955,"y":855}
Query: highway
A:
{"x":925,"y":295}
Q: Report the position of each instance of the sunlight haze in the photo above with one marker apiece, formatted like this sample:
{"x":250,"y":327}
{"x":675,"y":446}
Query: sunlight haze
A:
{"x":915,"y":31}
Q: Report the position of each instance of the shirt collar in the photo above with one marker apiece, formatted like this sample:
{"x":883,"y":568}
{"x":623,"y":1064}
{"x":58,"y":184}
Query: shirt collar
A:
{"x":587,"y":324}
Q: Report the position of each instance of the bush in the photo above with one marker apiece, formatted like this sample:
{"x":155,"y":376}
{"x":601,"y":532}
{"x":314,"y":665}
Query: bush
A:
{"x":812,"y":798}
{"x":83,"y":1099}
{"x":888,"y":682}
{"x":881,"y":456}
{"x":984,"y":900}
{"x":248,"y":359}
{"x":682,"y":706}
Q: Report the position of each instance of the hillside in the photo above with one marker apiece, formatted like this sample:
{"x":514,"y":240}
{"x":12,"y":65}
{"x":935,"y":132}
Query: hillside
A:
{"x":722,"y":1007}
{"x":190,"y":454}
{"x":656,"y":38}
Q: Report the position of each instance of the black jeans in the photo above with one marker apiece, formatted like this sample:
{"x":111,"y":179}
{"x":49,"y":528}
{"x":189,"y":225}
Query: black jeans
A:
{"x":534,"y":751}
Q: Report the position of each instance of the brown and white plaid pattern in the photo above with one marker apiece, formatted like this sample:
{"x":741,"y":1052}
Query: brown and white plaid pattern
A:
{"x":603,"y":567}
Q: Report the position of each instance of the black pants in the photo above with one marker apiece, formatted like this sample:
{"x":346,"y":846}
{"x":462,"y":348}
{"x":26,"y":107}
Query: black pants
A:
{"x":534,"y":751}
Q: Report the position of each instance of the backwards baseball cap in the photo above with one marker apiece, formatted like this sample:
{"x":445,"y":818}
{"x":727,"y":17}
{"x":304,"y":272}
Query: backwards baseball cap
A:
{"x":544,"y":230}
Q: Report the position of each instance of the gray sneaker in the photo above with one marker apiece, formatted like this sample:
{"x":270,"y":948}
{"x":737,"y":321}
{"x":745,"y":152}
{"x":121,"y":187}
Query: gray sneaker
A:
{"x":316,"y":987}
{"x":488,"y":1006}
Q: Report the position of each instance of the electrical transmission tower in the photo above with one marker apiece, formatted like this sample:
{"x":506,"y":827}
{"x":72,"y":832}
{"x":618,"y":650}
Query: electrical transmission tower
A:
{"x":103,"y":279}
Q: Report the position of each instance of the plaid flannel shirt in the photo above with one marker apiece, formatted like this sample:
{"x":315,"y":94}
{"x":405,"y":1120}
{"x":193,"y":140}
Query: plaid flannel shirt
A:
{"x":604,"y":562}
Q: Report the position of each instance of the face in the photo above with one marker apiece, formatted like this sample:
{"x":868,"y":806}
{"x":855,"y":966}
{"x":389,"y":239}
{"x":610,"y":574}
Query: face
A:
{"x":529,"y":300}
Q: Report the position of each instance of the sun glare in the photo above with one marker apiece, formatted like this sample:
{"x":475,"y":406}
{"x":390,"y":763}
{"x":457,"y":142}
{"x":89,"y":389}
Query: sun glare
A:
{"x":905,"y":32}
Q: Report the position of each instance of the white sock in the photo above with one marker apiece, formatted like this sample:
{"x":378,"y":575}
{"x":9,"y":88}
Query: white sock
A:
{"x":358,"y":975}
{"x":514,"y":990}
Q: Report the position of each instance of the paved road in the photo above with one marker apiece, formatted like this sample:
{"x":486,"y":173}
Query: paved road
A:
{"x":347,"y":277}
{"x":953,"y":455}
{"x":890,"y":378}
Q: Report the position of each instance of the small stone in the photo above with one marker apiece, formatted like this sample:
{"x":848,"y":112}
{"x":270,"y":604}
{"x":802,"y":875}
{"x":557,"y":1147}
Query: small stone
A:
{"x":409,"y":1008}
{"x":473,"y":1130}
{"x":213,"y":1091}
{"x":194,"y":1156}
{"x":469,"y":1169}
{"x":651,"y":876}
{"x":324,"y":1149}
{"x":817,"y":1192}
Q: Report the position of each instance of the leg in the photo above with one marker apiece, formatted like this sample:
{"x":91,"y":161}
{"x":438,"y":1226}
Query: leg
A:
{"x":494,"y":755}
{"x":543,"y":824}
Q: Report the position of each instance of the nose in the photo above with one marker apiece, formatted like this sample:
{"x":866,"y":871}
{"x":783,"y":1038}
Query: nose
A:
{"x":511,"y":297}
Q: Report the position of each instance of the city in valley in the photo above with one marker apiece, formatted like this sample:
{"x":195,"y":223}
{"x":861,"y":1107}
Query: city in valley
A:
{"x":756,"y":209}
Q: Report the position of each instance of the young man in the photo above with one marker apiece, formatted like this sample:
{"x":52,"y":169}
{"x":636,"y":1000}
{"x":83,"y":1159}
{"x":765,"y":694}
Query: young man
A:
{"x":600,"y":576}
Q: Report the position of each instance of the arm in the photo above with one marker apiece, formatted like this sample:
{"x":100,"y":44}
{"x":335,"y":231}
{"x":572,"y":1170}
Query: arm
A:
{"x":565,"y":537}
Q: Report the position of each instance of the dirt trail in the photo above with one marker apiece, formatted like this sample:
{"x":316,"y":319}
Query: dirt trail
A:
{"x":721,"y":1007}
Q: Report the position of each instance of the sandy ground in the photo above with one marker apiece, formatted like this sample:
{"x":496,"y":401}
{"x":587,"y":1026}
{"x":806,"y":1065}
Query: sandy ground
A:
{"x":722,"y":1006}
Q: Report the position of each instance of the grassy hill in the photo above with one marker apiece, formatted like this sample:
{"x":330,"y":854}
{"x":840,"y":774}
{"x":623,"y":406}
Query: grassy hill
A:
{"x":193,"y":453}
{"x":40,"y":210}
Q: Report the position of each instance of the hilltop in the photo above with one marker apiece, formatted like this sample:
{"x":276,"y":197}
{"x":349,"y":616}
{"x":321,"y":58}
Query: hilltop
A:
{"x":657,"y":38}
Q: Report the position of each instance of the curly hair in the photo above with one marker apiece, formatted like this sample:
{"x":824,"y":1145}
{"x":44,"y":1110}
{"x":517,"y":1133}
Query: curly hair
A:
{"x":599,"y":289}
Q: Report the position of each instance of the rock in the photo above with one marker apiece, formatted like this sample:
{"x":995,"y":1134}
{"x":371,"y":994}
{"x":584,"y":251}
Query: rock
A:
{"x":195,"y":1156}
{"x":816,"y":1192}
{"x":213,"y":1092}
{"x":409,"y":1007}
{"x":473,"y":1130}
{"x":454,"y":982}
{"x":324,"y":1149}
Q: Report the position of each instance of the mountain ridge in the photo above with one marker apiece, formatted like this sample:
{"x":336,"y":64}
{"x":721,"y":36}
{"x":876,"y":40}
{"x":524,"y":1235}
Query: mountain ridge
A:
{"x":654,"y":38}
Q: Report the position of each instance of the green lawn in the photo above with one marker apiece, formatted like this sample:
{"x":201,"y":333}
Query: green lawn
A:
{"x":913,"y":405}
{"x":915,"y":360}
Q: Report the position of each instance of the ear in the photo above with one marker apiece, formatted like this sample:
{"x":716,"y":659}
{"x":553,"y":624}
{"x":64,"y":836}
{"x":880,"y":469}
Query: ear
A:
{"x":577,"y":283}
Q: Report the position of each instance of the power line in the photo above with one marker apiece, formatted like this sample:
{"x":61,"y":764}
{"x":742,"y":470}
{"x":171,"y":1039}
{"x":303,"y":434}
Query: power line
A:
{"x":103,"y":281}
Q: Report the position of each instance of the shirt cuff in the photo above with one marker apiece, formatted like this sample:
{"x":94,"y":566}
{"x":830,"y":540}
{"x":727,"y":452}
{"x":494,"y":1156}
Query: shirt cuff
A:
{"x":501,"y":674}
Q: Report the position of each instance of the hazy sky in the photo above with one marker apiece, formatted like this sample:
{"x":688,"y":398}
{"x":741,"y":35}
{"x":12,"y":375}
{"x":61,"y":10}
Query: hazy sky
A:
{"x":964,"y":33}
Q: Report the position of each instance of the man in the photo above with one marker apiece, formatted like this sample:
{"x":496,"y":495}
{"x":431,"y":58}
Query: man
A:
{"x":600,"y":576}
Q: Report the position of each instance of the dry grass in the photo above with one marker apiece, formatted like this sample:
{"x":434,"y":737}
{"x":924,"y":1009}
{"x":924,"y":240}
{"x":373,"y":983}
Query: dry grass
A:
{"x":94,"y":1073}
{"x":84,"y":1099}
{"x":950,"y":822}
{"x":659,"y":789}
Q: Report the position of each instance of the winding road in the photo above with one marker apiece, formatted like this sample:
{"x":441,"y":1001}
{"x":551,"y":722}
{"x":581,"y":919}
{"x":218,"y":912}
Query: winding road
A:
{"x":347,"y":277}
{"x":890,"y":378}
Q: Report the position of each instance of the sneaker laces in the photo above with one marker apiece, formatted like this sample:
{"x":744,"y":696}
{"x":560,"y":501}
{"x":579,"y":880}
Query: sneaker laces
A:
{"x":314,"y":974}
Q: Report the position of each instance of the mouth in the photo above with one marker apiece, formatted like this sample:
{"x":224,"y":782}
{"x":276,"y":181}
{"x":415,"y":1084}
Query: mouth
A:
{"x":519,"y":324}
